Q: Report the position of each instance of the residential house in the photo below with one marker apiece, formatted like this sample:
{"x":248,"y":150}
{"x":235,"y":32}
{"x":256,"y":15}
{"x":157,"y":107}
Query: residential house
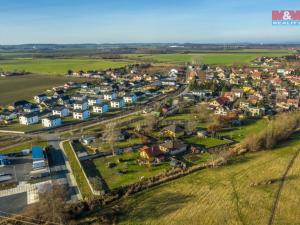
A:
{"x":256,"y":111}
{"x":220,"y":101}
{"x":173,"y":147}
{"x":29,"y":118}
{"x":130,"y":98}
{"x":293,"y":102}
{"x":117,"y":103}
{"x":78,"y":97}
{"x":40,"y":98}
{"x":173,"y":130}
{"x":64,"y":100}
{"x":110,"y":96}
{"x":20,"y":104}
{"x":51,"y":121}
{"x":100,"y":108}
{"x":81,"y":114}
{"x":58,"y":94}
{"x":94,"y":101}
{"x":60,"y":111}
{"x":150,"y":153}
{"x":80,"y":105}
{"x":31,"y":108}
{"x":8,"y":115}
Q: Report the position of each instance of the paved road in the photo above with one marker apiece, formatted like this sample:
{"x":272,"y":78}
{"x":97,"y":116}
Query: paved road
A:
{"x":58,"y":169}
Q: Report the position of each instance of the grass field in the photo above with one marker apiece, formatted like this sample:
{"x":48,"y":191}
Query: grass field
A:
{"x":27,"y":145}
{"x":253,"y":126}
{"x":25,"y":87}
{"x":58,"y":66}
{"x":128,"y":162}
{"x":223,"y":195}
{"x":206,"y":142}
{"x":208,"y":58}
{"x":77,"y":171}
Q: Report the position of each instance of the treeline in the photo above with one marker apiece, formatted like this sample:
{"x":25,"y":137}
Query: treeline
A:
{"x":278,"y":129}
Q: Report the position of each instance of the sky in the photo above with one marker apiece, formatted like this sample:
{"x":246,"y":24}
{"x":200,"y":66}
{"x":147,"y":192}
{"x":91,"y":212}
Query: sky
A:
{"x":144,"y":21}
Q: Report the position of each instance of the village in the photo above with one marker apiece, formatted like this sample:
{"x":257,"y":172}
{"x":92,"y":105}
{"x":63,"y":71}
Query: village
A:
{"x":182,"y":117}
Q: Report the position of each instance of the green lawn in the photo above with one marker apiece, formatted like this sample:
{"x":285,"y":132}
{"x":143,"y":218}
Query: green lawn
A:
{"x":16,"y":126}
{"x":77,"y":171}
{"x":27,"y":145}
{"x":252,"y":126}
{"x":206,"y":142}
{"x":135,"y":171}
{"x":58,"y":66}
{"x":122,"y":144}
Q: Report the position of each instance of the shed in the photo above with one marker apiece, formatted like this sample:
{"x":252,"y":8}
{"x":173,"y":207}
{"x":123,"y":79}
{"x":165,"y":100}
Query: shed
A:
{"x":37,"y":153}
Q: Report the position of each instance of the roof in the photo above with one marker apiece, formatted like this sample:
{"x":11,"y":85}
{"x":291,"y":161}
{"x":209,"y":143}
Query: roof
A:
{"x":174,"y":128}
{"x":29,"y":115}
{"x":37,"y":152}
{"x":21,"y":103}
{"x":151,"y":151}
{"x":54,"y":117}
{"x":173,"y":145}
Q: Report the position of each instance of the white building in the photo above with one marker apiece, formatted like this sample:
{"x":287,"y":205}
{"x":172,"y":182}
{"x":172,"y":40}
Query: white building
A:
{"x":110,"y":96}
{"x":94,"y":101}
{"x":51,"y":121}
{"x":60,"y":111}
{"x":28,"y":119}
{"x":101,"y":108}
{"x":117,"y":103}
{"x":130,"y":99}
{"x":81,"y":114}
{"x":81,"y":105}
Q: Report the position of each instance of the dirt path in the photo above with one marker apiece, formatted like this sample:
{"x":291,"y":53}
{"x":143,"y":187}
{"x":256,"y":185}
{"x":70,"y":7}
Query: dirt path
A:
{"x":282,"y":181}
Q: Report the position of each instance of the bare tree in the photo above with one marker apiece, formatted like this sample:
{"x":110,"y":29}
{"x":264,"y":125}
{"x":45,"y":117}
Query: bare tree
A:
{"x":151,"y":122}
{"x":51,"y":207}
{"x":111,"y":134}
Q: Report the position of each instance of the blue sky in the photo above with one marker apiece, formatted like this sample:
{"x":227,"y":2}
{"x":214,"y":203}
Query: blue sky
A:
{"x":131,"y":21}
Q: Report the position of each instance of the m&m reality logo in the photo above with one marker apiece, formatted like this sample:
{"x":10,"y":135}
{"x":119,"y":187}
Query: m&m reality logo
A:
{"x":286,"y":17}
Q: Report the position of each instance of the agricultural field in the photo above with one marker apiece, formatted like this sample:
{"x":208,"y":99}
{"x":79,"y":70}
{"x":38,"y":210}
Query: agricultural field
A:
{"x":25,"y":87}
{"x":243,"y":192}
{"x":58,"y":66}
{"x":207,"y":58}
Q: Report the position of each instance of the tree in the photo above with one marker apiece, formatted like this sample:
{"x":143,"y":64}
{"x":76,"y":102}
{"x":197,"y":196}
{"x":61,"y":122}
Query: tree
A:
{"x":51,"y":207}
{"x":151,"y":122}
{"x":111,"y":134}
{"x":70,"y":72}
{"x":191,"y":125}
{"x":201,"y":112}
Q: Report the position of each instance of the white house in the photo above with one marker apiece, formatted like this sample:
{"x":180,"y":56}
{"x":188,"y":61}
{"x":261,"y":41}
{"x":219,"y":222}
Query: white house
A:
{"x":130,"y":99}
{"x":94,"y":101}
{"x":110,"y":96}
{"x":51,"y":121}
{"x":30,"y":118}
{"x":81,"y":114}
{"x":40,"y":98}
{"x":117,"y":103}
{"x":60,"y":111}
{"x":101,"y":108}
{"x":81,"y":105}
